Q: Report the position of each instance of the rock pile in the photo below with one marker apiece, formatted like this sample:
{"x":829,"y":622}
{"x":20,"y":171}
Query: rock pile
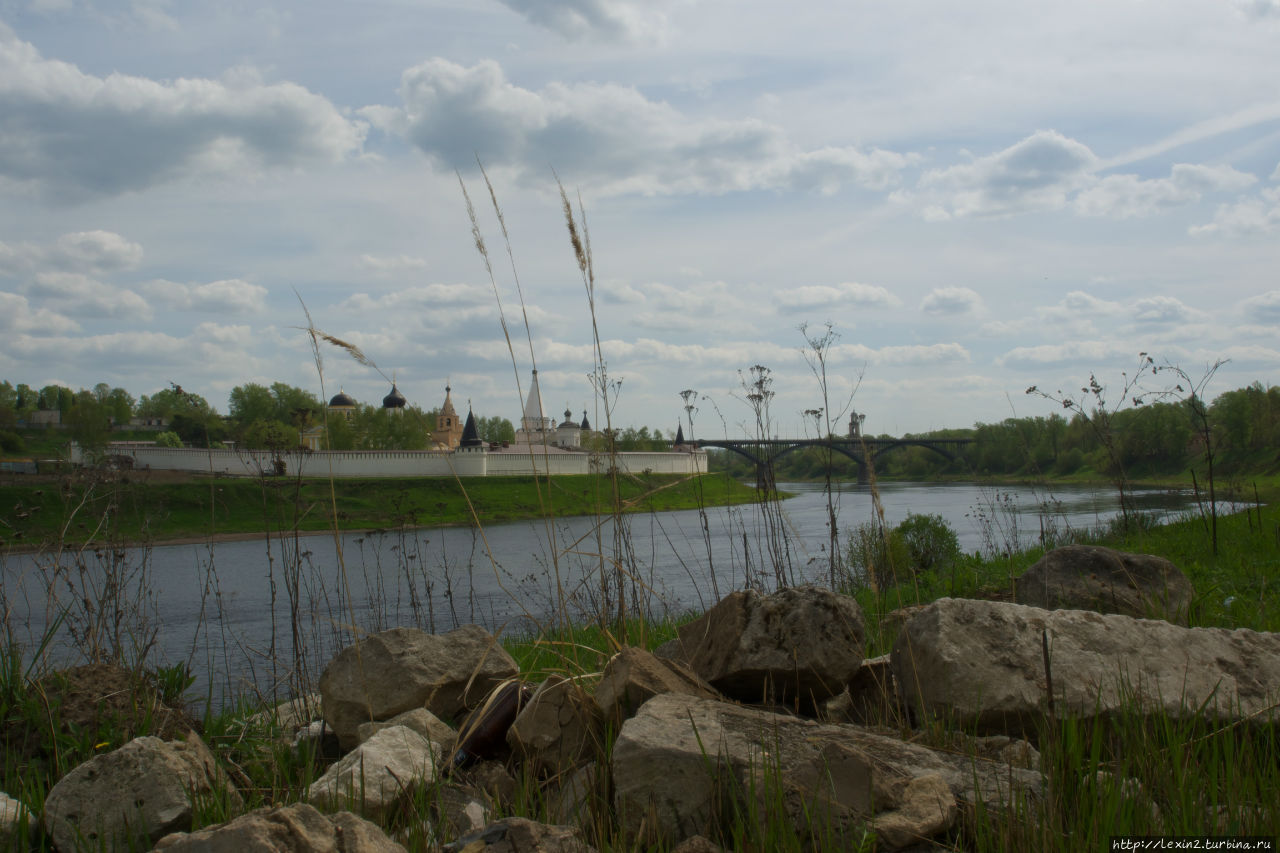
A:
{"x":765,"y":706}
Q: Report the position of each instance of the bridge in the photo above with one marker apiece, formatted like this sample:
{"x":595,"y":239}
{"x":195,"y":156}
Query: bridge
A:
{"x":863,"y":451}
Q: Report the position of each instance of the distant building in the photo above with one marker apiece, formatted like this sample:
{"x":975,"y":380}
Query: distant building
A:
{"x":343,"y":404}
{"x":394,"y":403}
{"x":448,"y":432}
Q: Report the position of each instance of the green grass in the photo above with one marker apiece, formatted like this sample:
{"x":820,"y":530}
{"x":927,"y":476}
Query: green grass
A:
{"x":140,"y":510}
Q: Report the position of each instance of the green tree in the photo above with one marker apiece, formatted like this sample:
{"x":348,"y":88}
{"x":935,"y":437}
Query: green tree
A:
{"x":249,"y":403}
{"x":172,"y":401}
{"x":89,"y":422}
{"x":271,"y":435}
{"x":168,"y":438}
{"x":495,"y":428}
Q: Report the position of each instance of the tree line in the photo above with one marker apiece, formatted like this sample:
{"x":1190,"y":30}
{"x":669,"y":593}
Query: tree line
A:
{"x":258,"y":417}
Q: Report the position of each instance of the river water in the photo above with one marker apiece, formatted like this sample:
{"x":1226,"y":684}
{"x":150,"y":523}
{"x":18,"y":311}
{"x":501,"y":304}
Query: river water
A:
{"x":265,"y":615}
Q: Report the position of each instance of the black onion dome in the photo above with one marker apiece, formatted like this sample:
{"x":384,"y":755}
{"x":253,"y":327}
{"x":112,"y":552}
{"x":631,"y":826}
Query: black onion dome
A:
{"x":342,"y":399}
{"x":586,"y":424}
{"x":394,"y":400}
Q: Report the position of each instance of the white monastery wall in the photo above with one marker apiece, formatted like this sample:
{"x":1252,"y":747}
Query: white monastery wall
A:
{"x":399,"y":463}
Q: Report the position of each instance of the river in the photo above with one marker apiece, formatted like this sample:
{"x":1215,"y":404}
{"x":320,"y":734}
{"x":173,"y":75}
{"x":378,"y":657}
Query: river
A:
{"x":265,"y":615}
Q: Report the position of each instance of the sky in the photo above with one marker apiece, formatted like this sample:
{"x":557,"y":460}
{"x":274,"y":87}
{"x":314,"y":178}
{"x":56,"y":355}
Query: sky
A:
{"x":974,"y":198}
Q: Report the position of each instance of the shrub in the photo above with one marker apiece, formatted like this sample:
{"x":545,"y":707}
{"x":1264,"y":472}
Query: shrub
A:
{"x":168,"y":438}
{"x":931,"y":545}
{"x":11,"y":442}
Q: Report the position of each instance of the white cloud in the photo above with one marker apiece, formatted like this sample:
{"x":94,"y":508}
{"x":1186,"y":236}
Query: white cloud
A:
{"x":1259,"y":9}
{"x":945,"y":301}
{"x":1089,"y":352}
{"x":1263,"y":308}
{"x":393,"y":265}
{"x":847,"y":294}
{"x":74,"y":135}
{"x":419,"y":298}
{"x":1250,"y":216}
{"x":1036,"y":173}
{"x":580,"y":19}
{"x":81,"y":296}
{"x":611,"y":137}
{"x":90,"y":252}
{"x":1160,"y":309}
{"x":16,"y":316}
{"x":1125,"y":196}
{"x":229,"y":295}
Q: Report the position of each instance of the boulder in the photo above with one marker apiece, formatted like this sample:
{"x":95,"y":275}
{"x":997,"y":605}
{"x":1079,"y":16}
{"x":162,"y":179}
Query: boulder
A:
{"x":634,"y":676}
{"x":421,"y":721}
{"x":1091,"y":577}
{"x":578,"y":800}
{"x":288,"y":716}
{"x":141,"y":791}
{"x":15,"y":819}
{"x":796,"y":647}
{"x":982,"y":663}
{"x":679,"y":760}
{"x":559,"y":728}
{"x":461,"y":810}
{"x":403,"y":668}
{"x":378,"y":773}
{"x":297,"y":828}
{"x":870,"y":699}
{"x":520,"y":835}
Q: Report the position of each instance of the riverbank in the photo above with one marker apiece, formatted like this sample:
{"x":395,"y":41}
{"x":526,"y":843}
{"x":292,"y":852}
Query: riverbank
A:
{"x":1172,"y":775}
{"x":106,"y":508}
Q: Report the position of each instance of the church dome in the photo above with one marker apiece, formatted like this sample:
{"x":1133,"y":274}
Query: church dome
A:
{"x":341,"y":400}
{"x":394,"y":400}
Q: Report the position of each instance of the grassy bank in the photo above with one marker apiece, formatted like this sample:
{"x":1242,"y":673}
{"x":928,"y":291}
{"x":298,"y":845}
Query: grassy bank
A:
{"x":135,"y":508}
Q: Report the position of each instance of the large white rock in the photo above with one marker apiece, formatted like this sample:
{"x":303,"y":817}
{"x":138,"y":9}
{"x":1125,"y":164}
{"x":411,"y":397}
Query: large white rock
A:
{"x":296,"y":828}
{"x":982,"y":663}
{"x":378,"y":773}
{"x":142,"y":790}
{"x":15,"y":819}
{"x":796,"y":646}
{"x":681,"y":758}
{"x":404,"y":668}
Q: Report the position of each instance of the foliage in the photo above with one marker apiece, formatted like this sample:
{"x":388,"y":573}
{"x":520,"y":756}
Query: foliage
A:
{"x":11,"y":442}
{"x":168,"y":438}
{"x":931,"y":543}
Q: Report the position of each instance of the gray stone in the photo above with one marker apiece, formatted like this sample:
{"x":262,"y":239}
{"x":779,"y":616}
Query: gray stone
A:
{"x":796,"y":647}
{"x":404,"y":668}
{"x":871,"y":697}
{"x":288,"y":716}
{"x":633,"y":676}
{"x":378,"y":773}
{"x":15,"y":819}
{"x":140,"y":791}
{"x":461,"y":810}
{"x":1091,"y":577}
{"x":678,"y":759}
{"x":981,"y":664}
{"x":578,"y":800}
{"x":520,"y":835}
{"x":558,"y":729}
{"x":421,"y":721}
{"x":297,"y":828}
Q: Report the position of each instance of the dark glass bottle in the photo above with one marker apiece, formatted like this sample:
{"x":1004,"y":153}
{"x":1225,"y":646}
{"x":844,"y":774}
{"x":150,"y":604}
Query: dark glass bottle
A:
{"x":483,"y":734}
